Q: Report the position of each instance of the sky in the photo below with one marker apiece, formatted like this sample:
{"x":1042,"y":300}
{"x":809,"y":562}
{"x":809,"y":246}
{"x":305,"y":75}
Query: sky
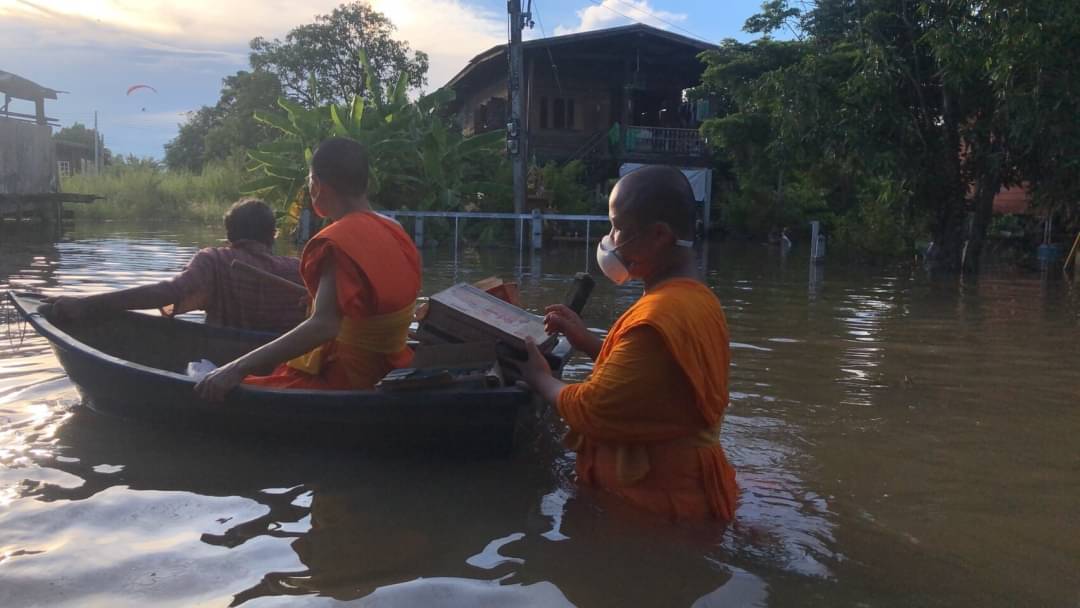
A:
{"x":96,"y":49}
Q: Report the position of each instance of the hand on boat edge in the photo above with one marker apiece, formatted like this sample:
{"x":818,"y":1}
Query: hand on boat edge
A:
{"x":67,"y":308}
{"x":216,"y":384}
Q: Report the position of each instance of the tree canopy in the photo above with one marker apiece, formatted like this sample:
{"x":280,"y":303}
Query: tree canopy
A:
{"x":327,"y":52}
{"x":893,"y":119}
{"x":79,"y":133}
{"x":228,"y":127}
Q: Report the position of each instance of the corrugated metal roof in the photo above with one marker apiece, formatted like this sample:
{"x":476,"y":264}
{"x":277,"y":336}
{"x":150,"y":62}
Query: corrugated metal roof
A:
{"x":555,"y":41}
{"x":18,"y":87}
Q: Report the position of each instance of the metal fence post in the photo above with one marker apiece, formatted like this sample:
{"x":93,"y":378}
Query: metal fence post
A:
{"x":537,"y":229}
{"x":418,"y":231}
{"x":817,"y":242}
{"x":588,"y":242}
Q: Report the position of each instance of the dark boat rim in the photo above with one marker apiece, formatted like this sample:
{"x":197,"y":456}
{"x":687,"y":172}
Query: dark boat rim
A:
{"x":28,"y":305}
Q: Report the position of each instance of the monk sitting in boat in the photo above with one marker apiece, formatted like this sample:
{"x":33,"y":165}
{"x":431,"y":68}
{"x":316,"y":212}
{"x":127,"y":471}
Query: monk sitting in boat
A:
{"x":646,"y":424}
{"x":230,"y":295}
{"x":363,"y":274}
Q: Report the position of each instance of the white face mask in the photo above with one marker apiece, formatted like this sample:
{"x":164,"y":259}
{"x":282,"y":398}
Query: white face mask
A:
{"x":612,"y":265}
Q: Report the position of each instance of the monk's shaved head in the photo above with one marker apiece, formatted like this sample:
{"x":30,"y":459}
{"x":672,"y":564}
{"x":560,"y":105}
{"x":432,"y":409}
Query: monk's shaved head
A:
{"x":658,"y":193}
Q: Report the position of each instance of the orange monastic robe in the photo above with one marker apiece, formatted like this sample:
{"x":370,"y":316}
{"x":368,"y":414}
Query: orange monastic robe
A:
{"x":646,"y":423}
{"x":378,"y":278}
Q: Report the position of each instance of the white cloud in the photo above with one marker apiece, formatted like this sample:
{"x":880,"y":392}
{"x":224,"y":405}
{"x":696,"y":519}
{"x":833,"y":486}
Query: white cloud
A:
{"x":612,"y":13}
{"x":450,"y":31}
{"x":96,"y":48}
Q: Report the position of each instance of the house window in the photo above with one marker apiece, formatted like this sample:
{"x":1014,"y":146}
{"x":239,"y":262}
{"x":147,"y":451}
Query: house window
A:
{"x":480,"y":119}
{"x":63,"y":167}
{"x":561,"y":115}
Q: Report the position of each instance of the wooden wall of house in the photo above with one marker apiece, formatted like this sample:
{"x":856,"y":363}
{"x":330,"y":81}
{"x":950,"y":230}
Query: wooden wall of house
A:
{"x":27,"y":158}
{"x":592,"y":93}
{"x":475,"y":99}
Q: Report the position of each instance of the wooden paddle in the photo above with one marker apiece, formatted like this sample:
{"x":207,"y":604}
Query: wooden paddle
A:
{"x":579,"y":292}
{"x":268,"y":276}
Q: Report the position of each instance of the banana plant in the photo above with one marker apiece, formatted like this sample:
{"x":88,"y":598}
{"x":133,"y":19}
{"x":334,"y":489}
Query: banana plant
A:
{"x":419,"y":159}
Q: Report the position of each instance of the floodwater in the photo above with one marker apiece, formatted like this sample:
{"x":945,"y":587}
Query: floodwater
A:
{"x":900,"y":441}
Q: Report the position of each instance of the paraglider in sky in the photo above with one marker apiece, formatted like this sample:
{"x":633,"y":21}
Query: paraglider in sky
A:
{"x":136,"y":87}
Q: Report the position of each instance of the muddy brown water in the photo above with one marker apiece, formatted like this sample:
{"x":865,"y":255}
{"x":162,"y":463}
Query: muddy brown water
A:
{"x":900,"y":441}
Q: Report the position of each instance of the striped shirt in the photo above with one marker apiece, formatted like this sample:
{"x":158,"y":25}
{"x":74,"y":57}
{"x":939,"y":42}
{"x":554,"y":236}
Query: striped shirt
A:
{"x":234,"y":298}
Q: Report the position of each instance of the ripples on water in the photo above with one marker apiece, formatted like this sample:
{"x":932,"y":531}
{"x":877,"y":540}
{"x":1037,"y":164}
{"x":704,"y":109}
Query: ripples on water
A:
{"x":898,"y":441}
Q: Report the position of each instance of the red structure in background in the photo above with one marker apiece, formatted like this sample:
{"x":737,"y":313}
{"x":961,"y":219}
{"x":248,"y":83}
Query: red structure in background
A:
{"x":1012,"y":200}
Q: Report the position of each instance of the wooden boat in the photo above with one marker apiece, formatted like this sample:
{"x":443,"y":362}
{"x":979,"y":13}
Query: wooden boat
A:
{"x":133,"y":365}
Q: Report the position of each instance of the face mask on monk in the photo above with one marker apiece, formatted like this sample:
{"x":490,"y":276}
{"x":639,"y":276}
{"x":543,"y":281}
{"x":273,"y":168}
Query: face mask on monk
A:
{"x":613,"y":265}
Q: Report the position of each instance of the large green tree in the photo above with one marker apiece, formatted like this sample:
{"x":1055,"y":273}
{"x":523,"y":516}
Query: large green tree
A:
{"x":894,"y":118}
{"x":326,"y":50}
{"x":228,"y":127}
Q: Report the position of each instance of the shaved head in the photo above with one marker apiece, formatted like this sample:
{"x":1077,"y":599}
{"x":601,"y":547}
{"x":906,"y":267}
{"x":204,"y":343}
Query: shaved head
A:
{"x":658,"y":193}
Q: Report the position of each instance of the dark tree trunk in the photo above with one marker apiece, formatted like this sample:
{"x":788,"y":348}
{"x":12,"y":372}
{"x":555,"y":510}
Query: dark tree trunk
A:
{"x":949,"y":233}
{"x":986,"y":188}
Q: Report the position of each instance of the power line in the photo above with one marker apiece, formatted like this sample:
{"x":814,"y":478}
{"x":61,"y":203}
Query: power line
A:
{"x":547,"y":47}
{"x":603,"y":4}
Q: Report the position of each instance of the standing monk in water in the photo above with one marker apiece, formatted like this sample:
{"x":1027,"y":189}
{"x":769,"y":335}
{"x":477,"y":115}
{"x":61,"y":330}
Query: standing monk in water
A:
{"x":646,"y":424}
{"x":363,"y":274}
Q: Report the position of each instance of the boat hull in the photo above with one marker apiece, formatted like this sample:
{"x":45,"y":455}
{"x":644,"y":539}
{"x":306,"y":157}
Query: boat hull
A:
{"x":128,"y":365}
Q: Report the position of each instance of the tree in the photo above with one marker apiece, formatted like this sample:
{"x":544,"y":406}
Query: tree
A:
{"x":326,"y":51}
{"x":187,"y":150}
{"x":419,"y":159}
{"x":1032,"y":63}
{"x":78,"y":133}
{"x":227,"y":128}
{"x":898,"y":116}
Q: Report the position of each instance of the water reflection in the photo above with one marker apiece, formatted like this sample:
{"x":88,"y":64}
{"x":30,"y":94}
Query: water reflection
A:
{"x":881,"y":424}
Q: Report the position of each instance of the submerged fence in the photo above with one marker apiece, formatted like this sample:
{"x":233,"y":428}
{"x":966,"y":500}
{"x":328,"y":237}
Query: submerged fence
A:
{"x":536,"y":221}
{"x":535,"y":239}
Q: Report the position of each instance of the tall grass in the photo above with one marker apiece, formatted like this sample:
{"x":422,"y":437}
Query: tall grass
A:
{"x":144,"y":192}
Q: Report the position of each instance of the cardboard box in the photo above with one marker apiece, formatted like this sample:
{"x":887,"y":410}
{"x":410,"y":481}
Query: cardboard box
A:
{"x":507,"y":292}
{"x":464,"y":313}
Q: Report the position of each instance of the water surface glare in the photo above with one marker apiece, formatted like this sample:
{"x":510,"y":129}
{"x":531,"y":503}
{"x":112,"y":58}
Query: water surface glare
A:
{"x":900,"y":441}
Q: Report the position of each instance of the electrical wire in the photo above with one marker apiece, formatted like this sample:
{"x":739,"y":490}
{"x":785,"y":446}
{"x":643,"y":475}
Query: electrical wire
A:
{"x":603,"y":4}
{"x":547,"y":47}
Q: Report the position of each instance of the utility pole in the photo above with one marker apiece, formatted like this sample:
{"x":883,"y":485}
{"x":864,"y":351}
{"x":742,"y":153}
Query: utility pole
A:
{"x":516,"y":138}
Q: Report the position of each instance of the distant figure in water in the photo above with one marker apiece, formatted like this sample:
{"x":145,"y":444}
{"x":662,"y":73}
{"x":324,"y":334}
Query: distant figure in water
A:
{"x":646,"y":424}
{"x":230,"y":297}
{"x":785,"y":241}
{"x":363,"y":274}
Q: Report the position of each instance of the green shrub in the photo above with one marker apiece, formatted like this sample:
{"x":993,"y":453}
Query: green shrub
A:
{"x":144,"y":191}
{"x":565,"y":185}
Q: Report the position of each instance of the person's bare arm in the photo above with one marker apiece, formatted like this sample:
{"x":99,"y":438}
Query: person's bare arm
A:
{"x":318,"y":329}
{"x":142,"y":297}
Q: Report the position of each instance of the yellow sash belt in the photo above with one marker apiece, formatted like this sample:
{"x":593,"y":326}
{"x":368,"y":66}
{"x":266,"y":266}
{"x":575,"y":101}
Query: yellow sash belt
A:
{"x":632,"y":459}
{"x":383,"y":334}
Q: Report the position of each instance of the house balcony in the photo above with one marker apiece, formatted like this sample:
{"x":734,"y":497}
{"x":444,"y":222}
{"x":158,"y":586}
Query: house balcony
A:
{"x":626,"y":144}
{"x":657,"y":142}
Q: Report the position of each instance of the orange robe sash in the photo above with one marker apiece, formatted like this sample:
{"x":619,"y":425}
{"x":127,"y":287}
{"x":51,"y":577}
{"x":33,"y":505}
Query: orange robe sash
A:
{"x":378,"y":278}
